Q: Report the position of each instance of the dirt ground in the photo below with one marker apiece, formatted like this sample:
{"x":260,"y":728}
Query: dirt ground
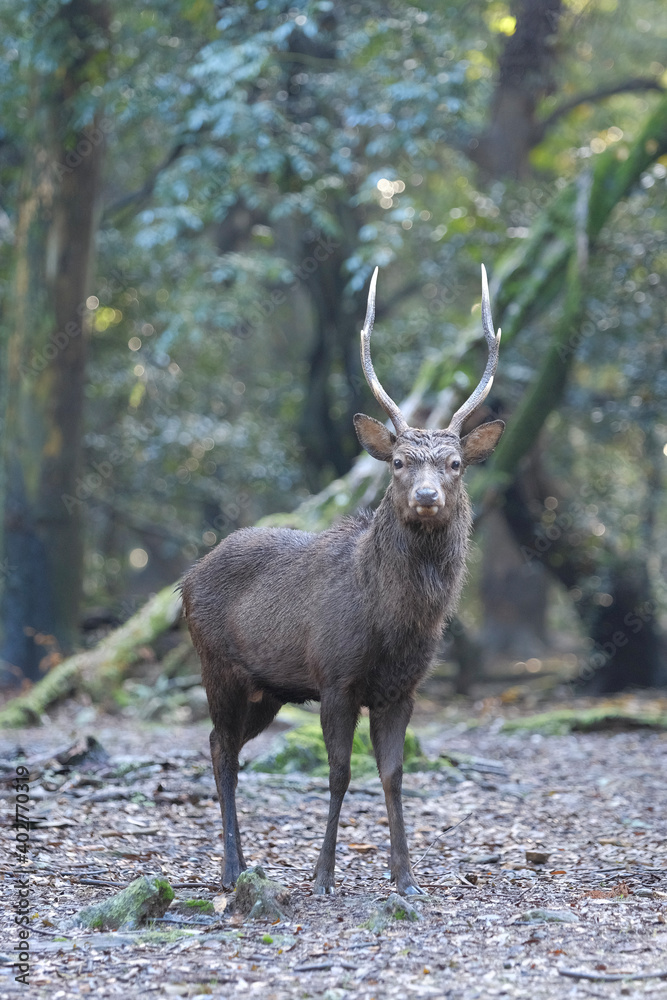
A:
{"x":596,"y":803}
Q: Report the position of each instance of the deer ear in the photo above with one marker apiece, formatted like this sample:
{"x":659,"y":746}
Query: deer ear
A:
{"x":377,"y":439}
{"x":480,"y":442}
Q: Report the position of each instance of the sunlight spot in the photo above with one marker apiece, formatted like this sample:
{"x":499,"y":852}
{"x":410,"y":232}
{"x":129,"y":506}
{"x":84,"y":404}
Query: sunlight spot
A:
{"x":138,"y":558}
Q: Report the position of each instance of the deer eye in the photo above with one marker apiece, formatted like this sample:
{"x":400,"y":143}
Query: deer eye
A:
{"x":456,"y":465}
{"x":398,"y":464}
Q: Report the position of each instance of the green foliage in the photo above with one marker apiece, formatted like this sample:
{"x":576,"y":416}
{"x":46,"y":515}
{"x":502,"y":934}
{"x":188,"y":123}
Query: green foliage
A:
{"x":302,"y":749}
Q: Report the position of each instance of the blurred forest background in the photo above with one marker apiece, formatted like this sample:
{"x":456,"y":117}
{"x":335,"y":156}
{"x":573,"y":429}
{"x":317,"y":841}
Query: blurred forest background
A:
{"x":193,"y":198}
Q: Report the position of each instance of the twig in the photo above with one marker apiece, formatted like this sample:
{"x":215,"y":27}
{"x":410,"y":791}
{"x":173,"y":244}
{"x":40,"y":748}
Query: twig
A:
{"x":184,"y":922}
{"x":323,"y":966}
{"x":196,"y":885}
{"x":43,"y":930}
{"x":447,"y":829}
{"x":97,"y":881}
{"x":615,"y":977}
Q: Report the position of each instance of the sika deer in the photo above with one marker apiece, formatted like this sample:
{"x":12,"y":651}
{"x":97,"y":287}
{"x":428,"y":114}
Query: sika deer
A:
{"x":350,"y":617}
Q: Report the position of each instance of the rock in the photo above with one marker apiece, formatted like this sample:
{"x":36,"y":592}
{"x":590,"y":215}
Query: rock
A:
{"x":537,"y":857}
{"x":395,"y":907}
{"x":128,"y":909}
{"x":549,"y":916}
{"x":258,"y":896}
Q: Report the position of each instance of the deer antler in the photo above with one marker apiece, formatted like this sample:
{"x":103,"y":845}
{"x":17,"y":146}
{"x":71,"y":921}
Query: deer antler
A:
{"x":484,"y":387}
{"x":385,"y":401}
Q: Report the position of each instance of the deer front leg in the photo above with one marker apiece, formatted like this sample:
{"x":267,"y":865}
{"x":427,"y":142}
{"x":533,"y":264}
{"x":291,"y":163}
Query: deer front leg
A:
{"x":388,"y":725}
{"x":338,"y":715}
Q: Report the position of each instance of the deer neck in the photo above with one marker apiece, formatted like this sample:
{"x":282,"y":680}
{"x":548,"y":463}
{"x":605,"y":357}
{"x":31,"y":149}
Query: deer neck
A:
{"x":412,"y":567}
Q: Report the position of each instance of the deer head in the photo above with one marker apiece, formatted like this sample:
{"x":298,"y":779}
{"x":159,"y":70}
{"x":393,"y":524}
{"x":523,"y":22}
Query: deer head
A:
{"x":427,"y":465}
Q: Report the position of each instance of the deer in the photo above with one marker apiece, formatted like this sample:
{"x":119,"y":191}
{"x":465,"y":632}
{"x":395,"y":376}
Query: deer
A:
{"x":350,"y":616}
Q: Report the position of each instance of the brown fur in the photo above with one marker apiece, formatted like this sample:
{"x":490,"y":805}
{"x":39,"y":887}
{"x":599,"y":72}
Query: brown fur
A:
{"x":350,"y":617}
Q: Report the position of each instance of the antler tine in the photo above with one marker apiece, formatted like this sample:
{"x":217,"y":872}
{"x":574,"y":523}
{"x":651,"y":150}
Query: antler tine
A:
{"x":484,"y":387}
{"x":385,"y":401}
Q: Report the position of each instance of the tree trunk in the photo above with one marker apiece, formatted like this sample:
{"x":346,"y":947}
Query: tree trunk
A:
{"x":525,"y":76}
{"x":48,"y":321}
{"x":625,"y":647}
{"x":514,"y":596}
{"x":328,"y":437}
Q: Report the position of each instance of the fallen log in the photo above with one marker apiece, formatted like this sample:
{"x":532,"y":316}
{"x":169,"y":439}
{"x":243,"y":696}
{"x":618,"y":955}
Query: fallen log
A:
{"x":100,"y":669}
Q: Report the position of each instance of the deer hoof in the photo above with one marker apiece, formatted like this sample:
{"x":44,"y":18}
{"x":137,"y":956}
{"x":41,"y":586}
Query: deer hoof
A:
{"x":412,"y":890}
{"x":324,"y":890}
{"x":230,"y":875}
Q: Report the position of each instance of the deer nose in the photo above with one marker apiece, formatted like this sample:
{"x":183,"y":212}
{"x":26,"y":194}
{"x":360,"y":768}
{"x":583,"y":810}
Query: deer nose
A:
{"x":426,"y":497}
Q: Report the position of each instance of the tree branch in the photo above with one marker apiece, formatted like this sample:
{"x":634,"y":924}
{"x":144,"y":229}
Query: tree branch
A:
{"x":143,"y":193}
{"x":589,"y":97}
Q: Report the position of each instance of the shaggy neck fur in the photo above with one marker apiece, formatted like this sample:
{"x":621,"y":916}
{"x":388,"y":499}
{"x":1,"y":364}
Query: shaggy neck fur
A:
{"x":415,"y":571}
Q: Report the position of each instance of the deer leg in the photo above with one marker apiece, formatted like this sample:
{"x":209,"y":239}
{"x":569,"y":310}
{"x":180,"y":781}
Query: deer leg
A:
{"x":388,"y":725}
{"x":229,"y":715}
{"x":241,"y":722}
{"x":257,"y":718}
{"x":338,"y":715}
{"x":260,"y":715}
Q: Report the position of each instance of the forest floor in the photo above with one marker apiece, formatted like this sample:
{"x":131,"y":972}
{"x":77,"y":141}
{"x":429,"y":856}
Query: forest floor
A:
{"x":595,"y":802}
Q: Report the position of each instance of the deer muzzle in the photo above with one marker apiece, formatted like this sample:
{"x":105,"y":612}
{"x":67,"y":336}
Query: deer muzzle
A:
{"x":426,"y":501}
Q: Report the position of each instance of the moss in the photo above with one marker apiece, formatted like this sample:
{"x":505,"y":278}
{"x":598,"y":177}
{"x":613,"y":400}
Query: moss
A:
{"x":165,"y":890}
{"x":302,"y":749}
{"x":600,"y":717}
{"x":393,"y":908}
{"x":203,"y":905}
{"x":142,"y":900}
{"x":257,"y":896}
